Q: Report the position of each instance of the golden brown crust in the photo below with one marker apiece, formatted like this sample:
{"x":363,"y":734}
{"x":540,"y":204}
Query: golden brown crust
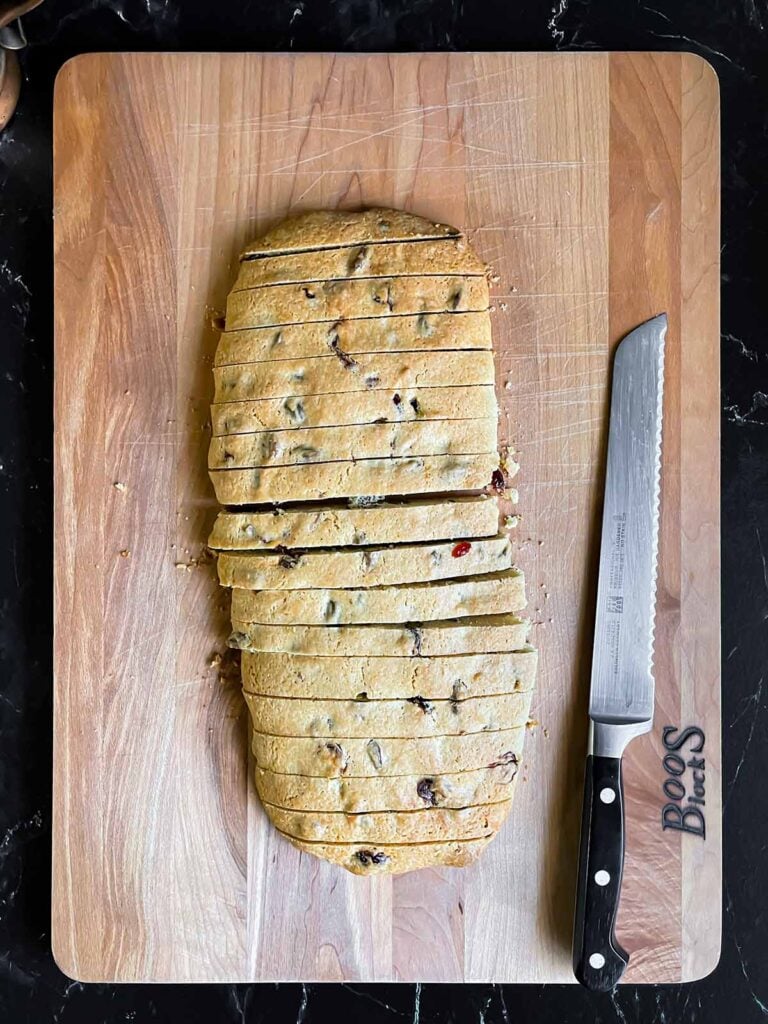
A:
{"x":449,"y":678}
{"x":375,"y":371}
{"x":418,"y":602}
{"x":434,"y":824}
{"x":392,"y":406}
{"x":414,"y":717}
{"x":394,"y":859}
{"x":369,"y":567}
{"x":386,"y":523}
{"x":363,"y":441}
{"x":414,"y":258}
{"x":326,"y":229}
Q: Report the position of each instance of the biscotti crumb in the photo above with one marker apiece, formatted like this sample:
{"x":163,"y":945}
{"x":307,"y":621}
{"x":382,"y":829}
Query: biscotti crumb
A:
{"x":119,"y":486}
{"x":125,"y":553}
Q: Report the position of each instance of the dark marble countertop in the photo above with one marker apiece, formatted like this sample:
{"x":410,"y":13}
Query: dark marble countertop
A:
{"x":733,"y":36}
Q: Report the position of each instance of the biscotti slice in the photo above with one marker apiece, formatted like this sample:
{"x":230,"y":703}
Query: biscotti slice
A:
{"x":329,"y":229}
{"x":419,"y":602}
{"x":420,"y":474}
{"x":434,"y":824}
{"x":397,"y":793}
{"x":452,"y":678}
{"x":349,"y":338}
{"x":364,"y":567}
{"x":361,"y":758}
{"x":314,"y":301}
{"x":448,"y":256}
{"x":394,"y":859}
{"x":414,"y":717}
{"x":473,"y":635}
{"x":450,"y":403}
{"x":373,"y":371}
{"x":384,"y":523}
{"x":371,"y":440}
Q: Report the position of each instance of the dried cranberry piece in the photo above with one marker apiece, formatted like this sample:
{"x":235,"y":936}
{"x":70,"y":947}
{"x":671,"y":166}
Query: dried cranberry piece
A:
{"x":461,"y":549}
{"x":498,"y":483}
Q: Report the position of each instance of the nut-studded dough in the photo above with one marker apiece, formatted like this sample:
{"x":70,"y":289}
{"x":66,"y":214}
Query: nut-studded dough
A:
{"x":418,"y":474}
{"x":395,"y":406}
{"x":331,"y":229}
{"x":371,"y":371}
{"x":448,"y":678}
{"x":314,"y":526}
{"x":393,"y":858}
{"x":473,"y":635}
{"x":433,"y":824}
{"x":413,"y":717}
{"x":371,"y":440}
{"x":356,"y":366}
{"x":414,"y":259}
{"x":394,"y":793}
{"x":361,"y":758}
{"x":334,"y":300}
{"x":419,"y":331}
{"x":368,"y":567}
{"x":493,"y":593}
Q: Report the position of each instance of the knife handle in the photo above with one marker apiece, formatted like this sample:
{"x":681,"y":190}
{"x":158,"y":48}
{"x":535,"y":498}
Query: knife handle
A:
{"x":598,"y":959}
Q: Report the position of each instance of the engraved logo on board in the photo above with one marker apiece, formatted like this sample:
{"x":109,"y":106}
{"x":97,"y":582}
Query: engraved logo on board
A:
{"x":684,"y":785}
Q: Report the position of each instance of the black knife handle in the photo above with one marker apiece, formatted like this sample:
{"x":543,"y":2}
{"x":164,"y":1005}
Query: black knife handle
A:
{"x":598,"y":959}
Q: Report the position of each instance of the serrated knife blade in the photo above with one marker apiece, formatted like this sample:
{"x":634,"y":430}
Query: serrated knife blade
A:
{"x":622,"y":688}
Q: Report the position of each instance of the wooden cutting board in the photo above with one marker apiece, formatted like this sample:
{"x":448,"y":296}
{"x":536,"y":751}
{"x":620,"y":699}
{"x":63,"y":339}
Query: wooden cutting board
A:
{"x":590,"y":182}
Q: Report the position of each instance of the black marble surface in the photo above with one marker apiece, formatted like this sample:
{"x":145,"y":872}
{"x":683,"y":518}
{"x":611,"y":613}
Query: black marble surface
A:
{"x":734,"y":37}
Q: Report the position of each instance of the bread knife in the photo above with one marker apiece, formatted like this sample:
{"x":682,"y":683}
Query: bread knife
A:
{"x":622,"y":689}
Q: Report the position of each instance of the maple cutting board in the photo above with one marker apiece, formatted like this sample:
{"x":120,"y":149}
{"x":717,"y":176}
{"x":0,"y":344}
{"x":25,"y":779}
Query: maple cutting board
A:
{"x":590,"y":183}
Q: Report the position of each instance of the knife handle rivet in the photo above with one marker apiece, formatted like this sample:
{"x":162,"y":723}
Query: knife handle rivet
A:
{"x":602,"y":877}
{"x":597,"y":960}
{"x":607,"y":795}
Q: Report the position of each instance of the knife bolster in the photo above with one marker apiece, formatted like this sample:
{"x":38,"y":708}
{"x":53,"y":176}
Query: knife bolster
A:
{"x":609,"y":739}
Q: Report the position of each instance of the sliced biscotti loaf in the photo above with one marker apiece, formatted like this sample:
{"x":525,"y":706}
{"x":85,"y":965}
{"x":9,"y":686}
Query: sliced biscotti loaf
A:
{"x":418,"y":474}
{"x":315,"y":301}
{"x":289,"y":716}
{"x":330,"y":229}
{"x":394,"y":793}
{"x":451,"y":678}
{"x":403,"y":259}
{"x":435,"y":824}
{"x":373,"y":371}
{"x":330,"y":526}
{"x":392,"y":858}
{"x":361,"y":758}
{"x":372,"y":440}
{"x":395,"y":406}
{"x":350,"y":338}
{"x":472,"y":635}
{"x":498,"y":592}
{"x":367,"y":567}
